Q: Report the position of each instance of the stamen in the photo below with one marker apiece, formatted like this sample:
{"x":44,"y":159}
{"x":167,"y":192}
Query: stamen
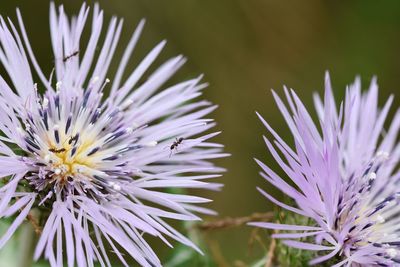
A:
{"x":56,"y":134}
{"x":45,"y":118}
{"x":58,"y":85}
{"x":95,"y":79}
{"x":372,"y":176}
{"x":382,"y":154}
{"x":45,"y":103}
{"x":104,"y":85}
{"x":31,"y":143}
{"x":152,"y":143}
{"x":391,"y":252}
{"x":73,"y":151}
{"x":68,"y":124}
{"x":95,"y":116}
{"x":47,"y":158}
{"x":380,"y":219}
{"x":111,"y":158}
{"x":94,"y":150}
{"x":86,"y":97}
{"x":57,"y":101}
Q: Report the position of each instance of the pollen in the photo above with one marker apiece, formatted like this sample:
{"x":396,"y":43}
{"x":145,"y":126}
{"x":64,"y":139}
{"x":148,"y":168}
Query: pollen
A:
{"x":71,"y":160}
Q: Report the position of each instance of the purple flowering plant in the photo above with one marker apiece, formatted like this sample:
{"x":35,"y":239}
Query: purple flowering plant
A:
{"x":93,"y":155}
{"x":101,"y":161}
{"x":343,"y":178}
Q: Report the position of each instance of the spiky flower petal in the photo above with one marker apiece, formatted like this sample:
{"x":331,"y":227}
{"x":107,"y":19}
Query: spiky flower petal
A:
{"x":95,"y":156}
{"x":344,"y":176}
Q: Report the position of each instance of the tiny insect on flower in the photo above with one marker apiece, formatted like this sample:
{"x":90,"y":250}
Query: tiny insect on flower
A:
{"x":175,"y":145}
{"x":344,"y":177}
{"x":71,"y":56}
{"x":91,"y":148}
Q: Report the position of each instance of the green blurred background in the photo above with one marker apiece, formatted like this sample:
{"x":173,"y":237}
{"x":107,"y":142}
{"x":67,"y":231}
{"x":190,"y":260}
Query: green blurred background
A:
{"x":245,"y":48}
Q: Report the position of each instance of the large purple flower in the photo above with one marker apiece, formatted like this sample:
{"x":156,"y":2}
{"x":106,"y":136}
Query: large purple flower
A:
{"x":344,"y":177}
{"x":95,"y":166}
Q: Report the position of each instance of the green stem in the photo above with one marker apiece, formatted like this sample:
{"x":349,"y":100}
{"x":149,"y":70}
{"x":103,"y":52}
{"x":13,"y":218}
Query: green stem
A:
{"x":27,"y":245}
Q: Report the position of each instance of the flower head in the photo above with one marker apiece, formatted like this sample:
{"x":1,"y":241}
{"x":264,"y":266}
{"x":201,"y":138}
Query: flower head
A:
{"x":97,"y":166}
{"x":344,"y":177}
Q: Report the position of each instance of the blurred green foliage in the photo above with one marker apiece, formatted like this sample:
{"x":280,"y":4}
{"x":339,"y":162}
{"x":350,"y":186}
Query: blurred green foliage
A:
{"x":288,"y":256}
{"x":246,"y":47}
{"x":292,"y":257}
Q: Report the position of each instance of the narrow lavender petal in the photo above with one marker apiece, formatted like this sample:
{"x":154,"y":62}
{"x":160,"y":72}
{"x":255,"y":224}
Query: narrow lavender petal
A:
{"x":308,"y":246}
{"x":277,"y":226}
{"x":16,"y":223}
{"x":325,"y":257}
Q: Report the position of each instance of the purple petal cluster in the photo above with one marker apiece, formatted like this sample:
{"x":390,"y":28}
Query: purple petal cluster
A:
{"x":343,"y":175}
{"x":95,"y":154}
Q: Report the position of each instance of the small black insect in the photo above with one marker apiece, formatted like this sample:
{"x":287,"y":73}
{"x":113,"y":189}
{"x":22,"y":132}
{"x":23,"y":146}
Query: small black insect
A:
{"x":57,"y":150}
{"x":65,"y":59}
{"x":175,"y":144}
{"x":73,"y":139}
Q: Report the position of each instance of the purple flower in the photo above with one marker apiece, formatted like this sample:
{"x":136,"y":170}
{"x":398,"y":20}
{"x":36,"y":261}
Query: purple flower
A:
{"x":344,"y":177}
{"x":97,"y":167}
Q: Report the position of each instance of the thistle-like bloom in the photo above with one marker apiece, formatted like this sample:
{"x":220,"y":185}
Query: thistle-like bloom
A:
{"x":344,"y":177}
{"x":97,"y":167}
